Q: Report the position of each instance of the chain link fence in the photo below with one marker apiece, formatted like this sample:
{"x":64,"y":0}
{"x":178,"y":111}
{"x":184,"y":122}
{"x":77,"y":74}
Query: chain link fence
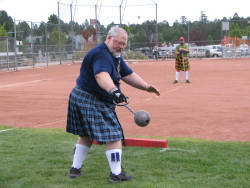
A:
{"x":43,"y":44}
{"x":7,"y":53}
{"x":207,"y":51}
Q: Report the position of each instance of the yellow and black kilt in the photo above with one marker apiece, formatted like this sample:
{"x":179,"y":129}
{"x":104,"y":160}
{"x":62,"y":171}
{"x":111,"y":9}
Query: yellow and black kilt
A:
{"x":180,"y":61}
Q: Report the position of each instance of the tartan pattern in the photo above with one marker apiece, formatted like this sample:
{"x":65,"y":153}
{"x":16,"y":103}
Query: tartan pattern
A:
{"x":88,"y":116}
{"x":179,"y":64}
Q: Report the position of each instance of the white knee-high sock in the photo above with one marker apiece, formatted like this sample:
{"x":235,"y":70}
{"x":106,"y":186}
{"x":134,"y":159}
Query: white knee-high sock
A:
{"x":114,"y":157}
{"x":80,"y":154}
{"x":177,"y":75}
{"x":186,"y":75}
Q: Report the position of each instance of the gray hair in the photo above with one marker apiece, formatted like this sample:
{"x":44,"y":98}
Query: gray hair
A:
{"x":115,"y":30}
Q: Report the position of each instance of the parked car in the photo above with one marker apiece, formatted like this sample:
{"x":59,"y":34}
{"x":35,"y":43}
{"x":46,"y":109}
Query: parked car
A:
{"x":146,"y":51}
{"x":215,"y":50}
{"x":243,"y":50}
{"x":162,"y":54}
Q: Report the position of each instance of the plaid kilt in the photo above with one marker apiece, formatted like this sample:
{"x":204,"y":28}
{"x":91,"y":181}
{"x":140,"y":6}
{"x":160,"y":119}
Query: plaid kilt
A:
{"x":88,"y":116}
{"x":179,"y":64}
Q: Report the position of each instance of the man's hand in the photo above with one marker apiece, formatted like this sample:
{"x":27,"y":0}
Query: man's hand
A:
{"x":153,"y":89}
{"x":118,"y":96}
{"x":181,"y":50}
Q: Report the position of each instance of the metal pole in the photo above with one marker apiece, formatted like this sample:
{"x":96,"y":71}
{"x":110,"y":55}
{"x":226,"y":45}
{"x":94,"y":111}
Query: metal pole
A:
{"x":32,"y":45}
{"x":71,"y":19}
{"x":15,"y":61}
{"x":96,"y":14}
{"x":46,"y":45}
{"x":156,"y":26}
{"x":7,"y":46}
{"x":96,"y":26}
{"x":59,"y":32}
{"x":72,"y":30}
{"x":120,"y":15}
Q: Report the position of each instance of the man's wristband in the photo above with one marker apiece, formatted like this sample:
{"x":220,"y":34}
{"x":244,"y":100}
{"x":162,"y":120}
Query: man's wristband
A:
{"x":113,"y":90}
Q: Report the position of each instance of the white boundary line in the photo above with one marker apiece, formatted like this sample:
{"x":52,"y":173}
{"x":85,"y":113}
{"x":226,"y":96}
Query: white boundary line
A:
{"x":174,"y":89}
{"x":176,"y":149}
{"x":37,"y":126}
{"x":49,"y":123}
{"x":5,"y":130}
{"x":19,"y":84}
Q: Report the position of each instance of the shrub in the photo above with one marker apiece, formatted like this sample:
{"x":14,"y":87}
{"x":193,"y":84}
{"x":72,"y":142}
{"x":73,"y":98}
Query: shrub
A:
{"x":135,"y":55}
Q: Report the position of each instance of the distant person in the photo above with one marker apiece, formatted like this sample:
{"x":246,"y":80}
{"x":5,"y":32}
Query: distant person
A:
{"x":91,"y":109}
{"x":155,"y":52}
{"x":182,"y":61}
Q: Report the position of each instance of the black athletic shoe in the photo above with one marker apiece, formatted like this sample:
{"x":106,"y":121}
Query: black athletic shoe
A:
{"x":119,"y":178}
{"x":188,"y":82}
{"x":175,"y":82}
{"x":74,"y":172}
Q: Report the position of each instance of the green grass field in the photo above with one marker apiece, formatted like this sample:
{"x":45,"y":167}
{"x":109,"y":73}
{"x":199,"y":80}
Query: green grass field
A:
{"x":41,"y":158}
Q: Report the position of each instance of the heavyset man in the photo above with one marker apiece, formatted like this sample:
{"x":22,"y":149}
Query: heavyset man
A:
{"x":91,"y":108}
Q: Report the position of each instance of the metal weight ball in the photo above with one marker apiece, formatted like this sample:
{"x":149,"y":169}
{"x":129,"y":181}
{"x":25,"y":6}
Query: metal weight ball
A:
{"x":141,"y":118}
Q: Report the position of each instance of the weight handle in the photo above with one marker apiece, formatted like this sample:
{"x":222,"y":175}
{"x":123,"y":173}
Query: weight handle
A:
{"x":125,"y":105}
{"x":130,"y":109}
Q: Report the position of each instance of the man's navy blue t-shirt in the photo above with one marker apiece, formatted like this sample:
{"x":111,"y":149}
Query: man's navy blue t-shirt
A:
{"x":99,"y":59}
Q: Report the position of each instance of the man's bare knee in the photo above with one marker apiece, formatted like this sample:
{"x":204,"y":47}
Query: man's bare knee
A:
{"x":83,"y":140}
{"x":114,"y":145}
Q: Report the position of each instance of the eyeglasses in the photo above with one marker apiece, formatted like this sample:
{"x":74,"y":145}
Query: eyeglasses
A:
{"x":119,"y":42}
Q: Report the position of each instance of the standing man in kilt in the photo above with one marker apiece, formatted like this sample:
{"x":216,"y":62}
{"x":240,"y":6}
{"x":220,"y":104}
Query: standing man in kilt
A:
{"x":91,"y":109}
{"x":182,"y":62}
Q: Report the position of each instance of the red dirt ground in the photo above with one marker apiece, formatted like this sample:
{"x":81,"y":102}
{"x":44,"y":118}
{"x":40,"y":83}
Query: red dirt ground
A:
{"x":215,"y":106}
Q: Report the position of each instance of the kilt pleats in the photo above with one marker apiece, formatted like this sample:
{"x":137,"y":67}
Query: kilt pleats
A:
{"x":88,"y":116}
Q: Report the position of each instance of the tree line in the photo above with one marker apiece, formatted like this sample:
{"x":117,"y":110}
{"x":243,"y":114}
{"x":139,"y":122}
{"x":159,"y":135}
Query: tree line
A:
{"x":149,"y":33}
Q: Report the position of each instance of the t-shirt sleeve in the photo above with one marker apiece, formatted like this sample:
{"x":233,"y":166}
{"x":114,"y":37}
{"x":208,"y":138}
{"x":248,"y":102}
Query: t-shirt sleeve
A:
{"x":101,"y":64}
{"x":125,"y":69}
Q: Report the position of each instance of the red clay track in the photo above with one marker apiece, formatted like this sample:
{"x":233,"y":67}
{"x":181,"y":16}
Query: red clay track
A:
{"x":215,"y":106}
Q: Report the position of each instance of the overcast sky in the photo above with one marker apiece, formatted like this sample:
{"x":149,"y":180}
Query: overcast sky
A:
{"x":108,"y":10}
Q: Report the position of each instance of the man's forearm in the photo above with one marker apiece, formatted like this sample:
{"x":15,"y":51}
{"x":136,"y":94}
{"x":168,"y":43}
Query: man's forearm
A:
{"x":136,"y":81}
{"x":104,"y":81}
